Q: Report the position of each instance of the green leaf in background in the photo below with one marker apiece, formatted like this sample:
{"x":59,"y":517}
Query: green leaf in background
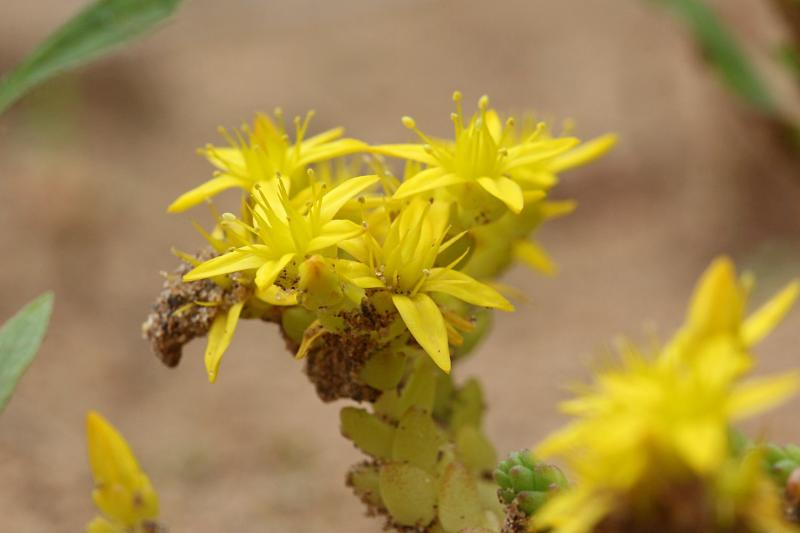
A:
{"x":94,"y":31}
{"x":723,"y":52}
{"x":20,"y":338}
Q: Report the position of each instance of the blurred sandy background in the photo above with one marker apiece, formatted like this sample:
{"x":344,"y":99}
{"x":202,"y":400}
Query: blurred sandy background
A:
{"x":89,"y":163}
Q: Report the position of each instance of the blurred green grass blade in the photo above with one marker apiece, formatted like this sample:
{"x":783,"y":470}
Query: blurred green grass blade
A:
{"x":99,"y":28}
{"x":723,"y":52}
{"x":20,"y":339}
{"x":790,"y":58}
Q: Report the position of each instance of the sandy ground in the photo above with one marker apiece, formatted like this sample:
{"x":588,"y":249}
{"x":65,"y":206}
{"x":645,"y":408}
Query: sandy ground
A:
{"x":88,"y":164}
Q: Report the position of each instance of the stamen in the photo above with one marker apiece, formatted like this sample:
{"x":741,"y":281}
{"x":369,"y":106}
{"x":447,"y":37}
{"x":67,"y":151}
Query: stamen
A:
{"x":281,"y":122}
{"x":458,"y":120}
{"x":409,"y":123}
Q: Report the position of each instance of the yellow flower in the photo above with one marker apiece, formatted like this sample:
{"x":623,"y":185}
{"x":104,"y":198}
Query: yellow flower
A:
{"x":665,"y":420}
{"x":273,"y":249}
{"x":404,"y":264}
{"x":483,"y":157}
{"x":266,"y":155}
{"x":122,"y":492}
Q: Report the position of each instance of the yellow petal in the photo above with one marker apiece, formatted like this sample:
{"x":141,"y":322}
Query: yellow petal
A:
{"x":551,"y":210}
{"x":702,"y":443}
{"x":506,"y":190}
{"x":122,"y":491}
{"x":274,"y":295}
{"x":101,"y":525}
{"x":427,"y":180}
{"x":757,"y":395}
{"x":334,"y":199}
{"x":465,"y":288}
{"x":330,"y":150}
{"x":309,"y":340}
{"x":577,"y":510}
{"x":324,"y":137}
{"x":528,"y":154}
{"x":219,"y":337}
{"x":235,"y":261}
{"x":585,"y":153}
{"x":762,"y":322}
{"x":203,"y":192}
{"x":334,"y":232}
{"x":716,"y":305}
{"x":270,"y":270}
{"x":413,"y":152}
{"x":110,"y":457}
{"x":424,"y":321}
{"x":534,"y":256}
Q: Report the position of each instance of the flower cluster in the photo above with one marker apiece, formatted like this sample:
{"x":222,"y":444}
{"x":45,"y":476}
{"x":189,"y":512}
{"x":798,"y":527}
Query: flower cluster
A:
{"x":315,"y":234}
{"x":652,"y":439}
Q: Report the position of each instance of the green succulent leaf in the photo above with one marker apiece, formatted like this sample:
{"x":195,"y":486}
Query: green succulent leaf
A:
{"x":99,"y":28}
{"x":468,"y":407}
{"x":20,"y":338}
{"x":475,"y":450}
{"x":420,"y":390}
{"x":371,"y":434}
{"x":417,"y":440}
{"x":365,"y":480}
{"x":409,"y":494}
{"x":383,"y":371}
{"x":459,"y":500}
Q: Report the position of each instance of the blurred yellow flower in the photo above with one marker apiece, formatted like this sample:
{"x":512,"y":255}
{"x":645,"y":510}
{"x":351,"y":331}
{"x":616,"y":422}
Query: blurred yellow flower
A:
{"x":664,"y":421}
{"x":266,"y":155}
{"x":405,"y":265}
{"x":122,"y":492}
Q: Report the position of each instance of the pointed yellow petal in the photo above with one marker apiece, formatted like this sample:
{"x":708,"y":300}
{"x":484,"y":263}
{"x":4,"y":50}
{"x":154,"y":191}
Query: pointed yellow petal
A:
{"x":551,"y":210}
{"x":577,"y":510}
{"x":274,"y":295}
{"x":270,"y":270}
{"x":585,"y":153}
{"x":224,"y":157}
{"x":465,"y":288}
{"x":330,"y":150}
{"x":309,"y":340}
{"x":122,"y":491}
{"x":101,"y":525}
{"x":324,"y":137}
{"x":413,"y":152}
{"x":203,"y":192}
{"x":219,"y":337}
{"x":757,"y":395}
{"x":506,"y":190}
{"x":528,"y":154}
{"x":334,"y":199}
{"x":534,"y":256}
{"x":762,"y":322}
{"x":356,"y":247}
{"x":110,"y":457}
{"x":425,"y":323}
{"x":702,"y":443}
{"x":333,"y":233}
{"x":716,"y":305}
{"x":427,"y":180}
{"x":235,"y":261}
